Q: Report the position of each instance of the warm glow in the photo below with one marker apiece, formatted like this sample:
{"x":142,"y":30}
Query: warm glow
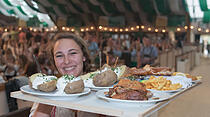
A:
{"x":72,"y":30}
{"x":55,"y":27}
{"x":137,"y":27}
{"x":116,"y":30}
{"x":91,"y":27}
{"x":30,"y":29}
{"x":163,"y":30}
{"x":199,"y":29}
{"x":105,"y":28}
{"x":149,"y":29}
{"x":142,"y":27}
{"x":207,"y":30}
{"x":35,"y":30}
{"x":5,"y":30}
{"x":68,"y":29}
{"x":20,"y":28}
{"x":63,"y":28}
{"x":121,"y":30}
{"x":191,"y":27}
{"x":47,"y":29}
{"x":126,"y":29}
{"x":156,"y":30}
{"x":110,"y":29}
{"x":87,"y":29}
{"x":178,"y":29}
{"x":82,"y":29}
{"x":132,"y":28}
{"x":100,"y":27}
{"x":185,"y":27}
{"x":51,"y":29}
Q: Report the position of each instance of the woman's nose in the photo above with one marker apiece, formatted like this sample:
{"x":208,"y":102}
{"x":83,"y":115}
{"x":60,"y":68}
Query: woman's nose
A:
{"x":66,"y":60}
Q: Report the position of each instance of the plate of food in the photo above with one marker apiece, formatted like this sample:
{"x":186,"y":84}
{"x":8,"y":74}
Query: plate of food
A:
{"x":51,"y":86}
{"x":27,"y":89}
{"x":127,"y":91}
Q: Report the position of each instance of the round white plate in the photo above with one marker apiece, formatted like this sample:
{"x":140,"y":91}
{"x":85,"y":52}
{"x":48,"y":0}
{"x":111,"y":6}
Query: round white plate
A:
{"x":27,"y":89}
{"x":162,"y":96}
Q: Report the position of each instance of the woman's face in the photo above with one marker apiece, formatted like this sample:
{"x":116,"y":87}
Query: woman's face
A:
{"x":68,"y":57}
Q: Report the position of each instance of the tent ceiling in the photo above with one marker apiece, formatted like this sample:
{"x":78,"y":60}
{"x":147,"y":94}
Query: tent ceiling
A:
{"x":112,"y":12}
{"x":107,"y":12}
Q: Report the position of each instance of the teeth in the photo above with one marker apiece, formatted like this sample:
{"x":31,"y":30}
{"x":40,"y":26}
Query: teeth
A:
{"x":69,"y":68}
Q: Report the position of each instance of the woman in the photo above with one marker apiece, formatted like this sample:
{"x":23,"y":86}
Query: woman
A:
{"x":70,"y":55}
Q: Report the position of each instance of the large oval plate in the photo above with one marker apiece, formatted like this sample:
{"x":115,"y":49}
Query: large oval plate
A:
{"x":27,"y":89}
{"x":160,"y":95}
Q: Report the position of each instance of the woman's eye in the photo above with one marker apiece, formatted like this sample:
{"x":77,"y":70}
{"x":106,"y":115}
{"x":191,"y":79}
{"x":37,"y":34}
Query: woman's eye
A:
{"x":58,"y":56}
{"x":73,"y":53}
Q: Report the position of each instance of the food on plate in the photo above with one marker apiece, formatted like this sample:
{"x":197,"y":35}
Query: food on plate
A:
{"x":148,"y":70}
{"x":162,"y":71}
{"x":42,"y":82}
{"x":129,"y":90}
{"x":104,"y":79}
{"x":70,"y":85}
{"x":193,"y":77}
{"x":122,"y":71}
{"x":161,"y":83}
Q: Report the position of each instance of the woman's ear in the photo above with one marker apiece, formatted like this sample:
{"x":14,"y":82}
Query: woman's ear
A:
{"x":84,"y":59}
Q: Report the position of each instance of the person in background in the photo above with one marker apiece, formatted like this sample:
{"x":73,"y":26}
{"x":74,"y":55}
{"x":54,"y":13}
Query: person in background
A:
{"x":148,"y":53}
{"x":70,"y":56}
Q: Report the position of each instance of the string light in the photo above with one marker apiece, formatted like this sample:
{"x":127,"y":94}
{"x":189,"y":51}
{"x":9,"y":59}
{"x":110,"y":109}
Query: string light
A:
{"x":116,"y":30}
{"x":121,"y":30}
{"x":156,"y":30}
{"x":126,"y":29}
{"x":72,"y":30}
{"x":51,"y":29}
{"x":63,"y":28}
{"x":142,"y":27}
{"x":207,"y":30}
{"x":185,"y":27}
{"x":178,"y":29}
{"x":105,"y":28}
{"x":163,"y":30}
{"x":100,"y":27}
{"x":47,"y":30}
{"x":19,"y":28}
{"x":137,"y":27}
{"x":199,"y":29}
{"x":110,"y":30}
{"x":68,"y":29}
{"x":82,"y":29}
{"x":191,"y":27}
{"x":149,"y":29}
{"x":132,"y":28}
{"x":5,"y":29}
{"x":30,"y":29}
{"x":87,"y":29}
{"x":91,"y":27}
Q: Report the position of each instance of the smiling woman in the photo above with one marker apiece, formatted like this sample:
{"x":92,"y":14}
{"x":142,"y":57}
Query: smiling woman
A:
{"x":69,"y":55}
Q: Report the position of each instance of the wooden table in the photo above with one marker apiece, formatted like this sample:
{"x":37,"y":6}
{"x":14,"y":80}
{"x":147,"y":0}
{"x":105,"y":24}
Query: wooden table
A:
{"x":90,"y":103}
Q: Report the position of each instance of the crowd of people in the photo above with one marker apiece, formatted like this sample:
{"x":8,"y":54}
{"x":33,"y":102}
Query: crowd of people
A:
{"x":17,"y":48}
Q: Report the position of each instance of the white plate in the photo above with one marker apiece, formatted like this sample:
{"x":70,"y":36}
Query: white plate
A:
{"x":99,"y":88}
{"x":168,"y":91}
{"x":27,"y":89}
{"x":162,"y":96}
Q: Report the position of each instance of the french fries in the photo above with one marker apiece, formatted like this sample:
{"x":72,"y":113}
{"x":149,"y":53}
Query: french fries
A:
{"x":161,"y":83}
